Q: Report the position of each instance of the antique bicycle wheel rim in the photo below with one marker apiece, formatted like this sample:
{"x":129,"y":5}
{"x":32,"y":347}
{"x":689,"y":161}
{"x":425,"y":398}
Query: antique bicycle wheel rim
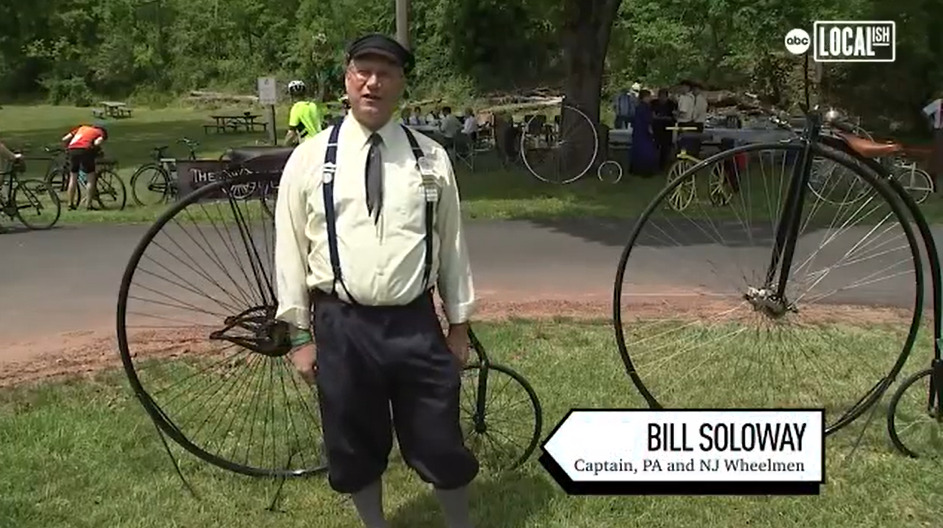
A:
{"x":609,"y":172}
{"x":915,"y":418}
{"x":560,"y":155}
{"x":718,"y":323}
{"x":917,"y":183}
{"x":217,"y":345}
{"x":513,"y":419}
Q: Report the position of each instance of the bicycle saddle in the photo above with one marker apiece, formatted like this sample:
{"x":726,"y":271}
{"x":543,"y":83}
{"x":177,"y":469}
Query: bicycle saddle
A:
{"x":259,"y":159}
{"x":870,"y":149}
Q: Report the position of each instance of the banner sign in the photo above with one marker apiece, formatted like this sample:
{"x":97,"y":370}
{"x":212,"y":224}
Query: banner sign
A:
{"x":688,"y":452}
{"x":194,"y":174}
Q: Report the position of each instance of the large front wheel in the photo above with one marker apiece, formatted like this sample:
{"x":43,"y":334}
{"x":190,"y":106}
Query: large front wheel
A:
{"x":199,"y":340}
{"x":698,"y":317}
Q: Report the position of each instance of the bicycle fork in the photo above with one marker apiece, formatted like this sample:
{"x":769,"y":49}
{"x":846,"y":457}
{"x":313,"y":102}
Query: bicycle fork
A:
{"x":935,"y":396}
{"x":770,"y":298}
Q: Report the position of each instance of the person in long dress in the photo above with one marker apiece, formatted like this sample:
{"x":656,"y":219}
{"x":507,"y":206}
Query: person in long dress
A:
{"x":644,"y":161}
{"x":934,"y":113}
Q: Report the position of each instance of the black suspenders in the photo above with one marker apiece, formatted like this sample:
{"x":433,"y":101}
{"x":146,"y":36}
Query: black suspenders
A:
{"x":330,"y":216}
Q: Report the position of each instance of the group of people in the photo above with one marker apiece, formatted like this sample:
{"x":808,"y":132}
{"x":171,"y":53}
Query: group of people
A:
{"x":447,"y":124}
{"x":307,"y":117}
{"x":650,"y":119}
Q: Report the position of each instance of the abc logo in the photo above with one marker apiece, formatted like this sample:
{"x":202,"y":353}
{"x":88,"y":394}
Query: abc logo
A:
{"x":797,"y":41}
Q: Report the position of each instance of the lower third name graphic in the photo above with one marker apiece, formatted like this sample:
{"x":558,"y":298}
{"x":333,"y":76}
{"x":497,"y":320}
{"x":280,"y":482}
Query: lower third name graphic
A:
{"x":689,"y":466}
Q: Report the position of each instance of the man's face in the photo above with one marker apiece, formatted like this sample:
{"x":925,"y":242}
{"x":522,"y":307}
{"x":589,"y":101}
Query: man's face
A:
{"x":374,"y":85}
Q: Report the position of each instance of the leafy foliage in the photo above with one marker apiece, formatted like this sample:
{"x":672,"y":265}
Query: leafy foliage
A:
{"x":68,"y":50}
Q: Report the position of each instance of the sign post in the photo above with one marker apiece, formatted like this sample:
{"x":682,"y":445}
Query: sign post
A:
{"x":268,"y":96}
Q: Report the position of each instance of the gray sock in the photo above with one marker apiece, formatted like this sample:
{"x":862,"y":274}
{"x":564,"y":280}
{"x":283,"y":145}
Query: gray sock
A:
{"x":369,"y":504}
{"x":455,"y":507}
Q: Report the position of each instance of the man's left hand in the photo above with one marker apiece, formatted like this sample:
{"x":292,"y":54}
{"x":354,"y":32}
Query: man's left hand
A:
{"x":457,"y":339}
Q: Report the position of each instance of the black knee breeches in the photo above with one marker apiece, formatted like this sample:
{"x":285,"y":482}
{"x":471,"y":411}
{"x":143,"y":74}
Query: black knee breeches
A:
{"x":371,"y":359}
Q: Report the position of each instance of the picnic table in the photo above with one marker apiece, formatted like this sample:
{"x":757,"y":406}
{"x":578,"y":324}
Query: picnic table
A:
{"x":114,"y":109}
{"x":235,"y":123}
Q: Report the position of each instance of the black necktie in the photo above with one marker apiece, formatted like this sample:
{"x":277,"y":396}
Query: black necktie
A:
{"x":374,"y":177}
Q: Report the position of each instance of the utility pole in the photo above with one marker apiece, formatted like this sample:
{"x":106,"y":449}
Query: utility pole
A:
{"x":402,"y":22}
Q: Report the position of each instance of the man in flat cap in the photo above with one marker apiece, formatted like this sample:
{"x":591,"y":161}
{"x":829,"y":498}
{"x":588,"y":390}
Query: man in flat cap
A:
{"x":367,"y":223}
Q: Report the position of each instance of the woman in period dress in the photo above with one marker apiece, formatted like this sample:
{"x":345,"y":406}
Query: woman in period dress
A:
{"x":644,"y":161}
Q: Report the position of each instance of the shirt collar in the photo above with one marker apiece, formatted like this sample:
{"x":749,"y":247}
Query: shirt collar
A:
{"x":362,"y":134}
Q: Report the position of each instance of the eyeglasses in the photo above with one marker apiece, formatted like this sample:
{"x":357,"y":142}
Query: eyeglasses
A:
{"x":363,"y":74}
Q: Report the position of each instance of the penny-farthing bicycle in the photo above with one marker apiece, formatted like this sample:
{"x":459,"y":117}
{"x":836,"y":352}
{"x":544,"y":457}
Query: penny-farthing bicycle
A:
{"x":756,"y":314}
{"x":208,"y":361}
{"x":562,"y":148}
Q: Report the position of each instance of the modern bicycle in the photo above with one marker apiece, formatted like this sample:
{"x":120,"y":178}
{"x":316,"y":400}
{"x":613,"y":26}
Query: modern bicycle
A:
{"x":769,"y":333}
{"x":155,"y":182}
{"x":111,"y":193}
{"x":29,"y":201}
{"x":208,"y":361}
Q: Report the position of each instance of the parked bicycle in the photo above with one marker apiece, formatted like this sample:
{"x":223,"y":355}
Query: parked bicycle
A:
{"x":29,"y":201}
{"x":718,"y":188}
{"x":111,"y":193}
{"x":560,"y":150}
{"x":202,"y":279}
{"x":746,"y":303}
{"x":156,"y":182}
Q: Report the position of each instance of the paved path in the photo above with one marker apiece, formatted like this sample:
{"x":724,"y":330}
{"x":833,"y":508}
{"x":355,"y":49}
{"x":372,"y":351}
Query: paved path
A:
{"x":67,"y":279}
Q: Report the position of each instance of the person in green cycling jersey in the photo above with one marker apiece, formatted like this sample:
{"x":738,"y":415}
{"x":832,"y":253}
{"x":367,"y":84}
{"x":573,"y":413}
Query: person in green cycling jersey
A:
{"x":306,"y":118}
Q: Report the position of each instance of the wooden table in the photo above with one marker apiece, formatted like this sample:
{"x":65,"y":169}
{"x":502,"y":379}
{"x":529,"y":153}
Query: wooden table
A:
{"x":235,"y":123}
{"x":114,"y":109}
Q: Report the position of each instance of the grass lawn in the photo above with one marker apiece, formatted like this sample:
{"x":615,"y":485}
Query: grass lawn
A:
{"x":490,"y":192}
{"x":83,"y":453}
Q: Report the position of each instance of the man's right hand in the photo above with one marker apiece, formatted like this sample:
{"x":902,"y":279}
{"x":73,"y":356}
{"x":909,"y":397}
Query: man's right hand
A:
{"x":305,"y":359}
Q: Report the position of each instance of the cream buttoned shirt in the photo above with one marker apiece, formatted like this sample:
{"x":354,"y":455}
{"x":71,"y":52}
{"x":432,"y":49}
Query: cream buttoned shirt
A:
{"x":381,"y":263}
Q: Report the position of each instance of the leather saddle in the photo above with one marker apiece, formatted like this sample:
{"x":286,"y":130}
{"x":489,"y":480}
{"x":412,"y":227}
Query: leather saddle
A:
{"x":870,"y":149}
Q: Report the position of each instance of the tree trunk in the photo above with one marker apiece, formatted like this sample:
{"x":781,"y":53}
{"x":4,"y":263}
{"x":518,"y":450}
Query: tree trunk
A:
{"x":586,"y":30}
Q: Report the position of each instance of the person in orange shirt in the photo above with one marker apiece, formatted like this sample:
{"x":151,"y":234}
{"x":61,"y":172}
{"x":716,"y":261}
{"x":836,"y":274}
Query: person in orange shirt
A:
{"x":83,"y":144}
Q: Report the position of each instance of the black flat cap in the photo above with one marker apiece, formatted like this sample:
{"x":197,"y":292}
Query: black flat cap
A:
{"x":379,"y":44}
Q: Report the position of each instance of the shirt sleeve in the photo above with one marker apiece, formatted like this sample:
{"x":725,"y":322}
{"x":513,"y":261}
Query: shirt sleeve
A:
{"x":455,"y":278}
{"x":291,"y":244}
{"x":294,"y":116}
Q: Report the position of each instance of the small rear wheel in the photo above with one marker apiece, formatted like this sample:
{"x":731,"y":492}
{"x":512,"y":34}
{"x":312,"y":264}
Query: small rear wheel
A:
{"x":501,"y":415}
{"x":914,"y":417}
{"x":916,"y":182}
{"x":609,"y":172}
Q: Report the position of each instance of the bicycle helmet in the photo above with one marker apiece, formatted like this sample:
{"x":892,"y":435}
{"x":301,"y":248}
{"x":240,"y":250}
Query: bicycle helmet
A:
{"x":296,"y":87}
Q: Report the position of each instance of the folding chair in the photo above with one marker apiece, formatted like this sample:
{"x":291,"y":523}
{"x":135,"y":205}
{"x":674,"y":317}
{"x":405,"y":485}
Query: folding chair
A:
{"x":464,"y":150}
